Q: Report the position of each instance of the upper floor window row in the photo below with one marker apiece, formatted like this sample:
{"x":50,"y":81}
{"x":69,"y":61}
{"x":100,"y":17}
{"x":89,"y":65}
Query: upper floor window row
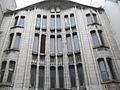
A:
{"x":19,"y":21}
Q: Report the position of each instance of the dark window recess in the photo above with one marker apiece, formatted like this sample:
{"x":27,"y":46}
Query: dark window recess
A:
{"x":80,"y":74}
{"x":101,"y":37}
{"x":36,"y":43}
{"x":103,"y":69}
{"x":43,"y":40}
{"x":21,"y":22}
{"x":72,"y":76}
{"x":44,"y":22}
{"x":61,"y":76}
{"x":42,"y":58}
{"x":33,"y":76}
{"x":3,"y":70}
{"x":11,"y":71}
{"x":52,"y":77}
{"x":52,"y":59}
{"x":76,"y":42}
{"x":60,"y":59}
{"x":17,"y":41}
{"x":72,"y":20}
{"x":10,"y":40}
{"x":58,"y":22}
{"x":38,"y":22}
{"x":52,"y":22}
{"x":16,"y":21}
{"x":78,"y":57}
{"x":71,"y":60}
{"x":41,"y":76}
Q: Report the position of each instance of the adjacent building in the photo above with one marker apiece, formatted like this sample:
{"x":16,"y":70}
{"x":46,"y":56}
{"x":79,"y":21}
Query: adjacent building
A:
{"x":58,"y":45}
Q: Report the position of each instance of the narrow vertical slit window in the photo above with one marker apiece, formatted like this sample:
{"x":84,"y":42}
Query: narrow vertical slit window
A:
{"x":103,"y":69}
{"x":43,"y":41}
{"x":69,"y":43}
{"x":17,"y":41}
{"x":89,"y":19}
{"x":60,"y":59}
{"x":38,"y":22}
{"x":3,"y":70}
{"x":52,"y":23}
{"x":58,"y":22}
{"x":101,"y":37}
{"x":59,"y":44}
{"x":41,"y":76}
{"x":61,"y":76}
{"x":52,"y":77}
{"x":11,"y":71}
{"x":22,"y":20}
{"x":80,"y":74}
{"x":10,"y":40}
{"x":76,"y":42}
{"x":72,"y":20}
{"x":67,"y":23}
{"x":33,"y":76}
{"x":72,"y":76}
{"x":44,"y":22}
{"x":52,"y":44}
{"x":36,"y":43}
{"x":16,"y":21}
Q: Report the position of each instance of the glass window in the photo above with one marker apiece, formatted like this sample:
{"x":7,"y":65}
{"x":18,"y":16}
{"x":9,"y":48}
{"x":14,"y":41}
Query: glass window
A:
{"x":21,"y":22}
{"x":60,"y":59}
{"x":76,"y":42}
{"x":103,"y":69}
{"x":43,"y":40}
{"x":52,"y":77}
{"x":52,"y":23}
{"x":58,"y":22}
{"x":91,"y":18}
{"x":70,"y":57}
{"x":42,"y":58}
{"x":67,"y":23}
{"x":41,"y":77}
{"x":44,"y":22}
{"x":38,"y":22}
{"x":72,"y":76}
{"x":16,"y":21}
{"x":11,"y":71}
{"x":69,"y":43}
{"x":10,"y":40}
{"x":36,"y":43}
{"x":52,"y":59}
{"x":52,"y":44}
{"x":33,"y":76}
{"x":17,"y":40}
{"x":3,"y":70}
{"x":101,"y":37}
{"x":94,"y":18}
{"x":61,"y":76}
{"x":72,"y":19}
{"x":59,"y":44}
{"x":80,"y":74}
{"x":78,"y":57}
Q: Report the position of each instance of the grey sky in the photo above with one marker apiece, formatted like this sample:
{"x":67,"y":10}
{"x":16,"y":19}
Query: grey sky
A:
{"x":23,"y":3}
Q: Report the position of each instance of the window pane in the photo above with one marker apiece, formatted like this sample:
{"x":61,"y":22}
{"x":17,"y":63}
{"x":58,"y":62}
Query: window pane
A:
{"x":80,"y":74}
{"x":52,"y":59}
{"x":95,"y":39}
{"x":70,"y":57}
{"x":61,"y":77}
{"x":52,"y":44}
{"x":60,"y":59}
{"x":36,"y":43}
{"x":44,"y":22}
{"x":69,"y":43}
{"x":76,"y":42}
{"x":101,"y":37}
{"x":78,"y":57}
{"x":89,"y":19}
{"x":33,"y":76}
{"x":43,"y":40}
{"x":16,"y":20}
{"x":52,"y":77}
{"x":21,"y":22}
{"x":72,"y":76}
{"x":52,"y":23}
{"x":10,"y":40}
{"x":94,"y":18}
{"x":38,"y":22}
{"x":58,"y":22}
{"x":17,"y":40}
{"x":67,"y":24}
{"x":41,"y":77}
{"x":72,"y":19}
{"x":59,"y":44}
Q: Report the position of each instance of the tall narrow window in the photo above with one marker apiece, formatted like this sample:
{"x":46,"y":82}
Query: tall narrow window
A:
{"x":33,"y":76}
{"x":70,"y":57}
{"x":11,"y":71}
{"x":76,"y":42}
{"x":59,"y":44}
{"x":52,"y":77}
{"x":43,"y":40}
{"x":80,"y":74}
{"x":109,"y":61}
{"x":44,"y":23}
{"x":60,"y":59}
{"x":61,"y":76}
{"x":52,"y":44}
{"x":72,"y":76}
{"x":36,"y":43}
{"x":10,"y":40}
{"x":58,"y":22}
{"x":94,"y":18}
{"x":16,"y":21}
{"x":78,"y":57}
{"x":17,"y":41}
{"x":52,"y":23}
{"x":3,"y":70}
{"x":52,"y":59}
{"x":41,"y":76}
{"x":89,"y":19}
{"x":38,"y":22}
{"x":67,"y":23}
{"x":42,"y":57}
{"x":95,"y":39}
{"x":69,"y":43}
{"x":21,"y":22}
{"x":72,"y":20}
{"x":101,"y":37}
{"x":103,"y":69}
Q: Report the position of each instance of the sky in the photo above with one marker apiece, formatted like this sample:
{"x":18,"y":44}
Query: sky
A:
{"x":24,"y":3}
